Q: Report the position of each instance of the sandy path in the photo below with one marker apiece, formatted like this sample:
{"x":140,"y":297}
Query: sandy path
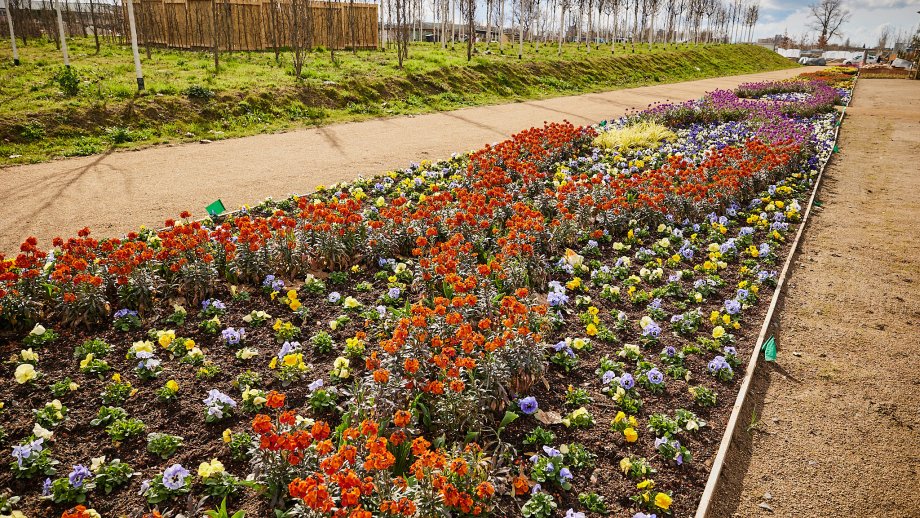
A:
{"x":840,"y":411}
{"x":119,"y":192}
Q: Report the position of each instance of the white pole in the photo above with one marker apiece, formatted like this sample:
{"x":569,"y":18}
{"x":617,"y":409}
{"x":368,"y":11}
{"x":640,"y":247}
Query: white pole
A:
{"x":60,"y":20}
{"x":137,"y":56}
{"x":9,"y":21}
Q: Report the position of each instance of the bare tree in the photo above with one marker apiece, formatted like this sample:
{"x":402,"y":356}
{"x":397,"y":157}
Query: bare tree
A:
{"x":468,"y":10}
{"x":753,"y":14}
{"x":827,"y":18}
{"x":301,"y":33}
{"x":883,"y":36}
{"x":402,"y":8}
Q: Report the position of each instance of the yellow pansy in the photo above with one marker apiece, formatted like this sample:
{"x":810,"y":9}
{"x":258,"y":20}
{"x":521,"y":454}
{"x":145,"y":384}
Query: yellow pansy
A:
{"x":646,"y":484}
{"x":630,"y":434}
{"x":86,"y":361}
{"x":292,"y":294}
{"x":625,"y":465}
{"x":25,"y":373}
{"x":209,"y":469}
{"x":142,"y":347}
{"x":619,"y":417}
{"x":28,"y":355}
{"x":662,"y":501}
{"x":718,"y":332}
{"x":294,"y":305}
{"x":166,"y":338}
{"x":172,"y":385}
{"x":227,"y":435}
{"x":292,"y":359}
{"x":274,"y":363}
{"x":591,"y":330}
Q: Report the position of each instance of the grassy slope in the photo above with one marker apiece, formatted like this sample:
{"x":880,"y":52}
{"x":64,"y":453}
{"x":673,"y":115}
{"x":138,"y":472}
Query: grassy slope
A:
{"x":253,"y":94}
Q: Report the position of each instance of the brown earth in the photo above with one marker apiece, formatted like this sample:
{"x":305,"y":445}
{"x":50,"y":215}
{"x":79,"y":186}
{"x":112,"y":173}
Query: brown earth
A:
{"x":834,"y":425}
{"x":118,"y":192}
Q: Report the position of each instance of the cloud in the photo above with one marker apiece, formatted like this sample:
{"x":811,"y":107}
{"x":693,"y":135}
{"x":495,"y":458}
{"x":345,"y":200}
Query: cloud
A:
{"x":887,"y":4}
{"x":866,"y":21}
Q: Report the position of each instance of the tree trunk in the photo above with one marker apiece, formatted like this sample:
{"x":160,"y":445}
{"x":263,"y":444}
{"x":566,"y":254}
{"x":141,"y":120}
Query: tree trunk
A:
{"x":561,"y":26}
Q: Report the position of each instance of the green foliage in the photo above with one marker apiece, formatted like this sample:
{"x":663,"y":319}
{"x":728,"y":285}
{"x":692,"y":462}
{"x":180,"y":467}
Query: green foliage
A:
{"x":68,"y":80}
{"x":703,"y":396}
{"x":113,"y":475}
{"x":74,"y":124}
{"x":540,"y":436}
{"x":95,"y":346}
{"x":163,"y":444}
{"x":199,"y":93}
{"x":540,"y":505}
{"x":123,"y":429}
{"x":593,"y":502}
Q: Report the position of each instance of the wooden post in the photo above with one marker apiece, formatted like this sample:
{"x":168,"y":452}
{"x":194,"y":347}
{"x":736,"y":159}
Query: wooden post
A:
{"x":60,"y":21}
{"x":9,"y":21}
{"x":137,"y":57}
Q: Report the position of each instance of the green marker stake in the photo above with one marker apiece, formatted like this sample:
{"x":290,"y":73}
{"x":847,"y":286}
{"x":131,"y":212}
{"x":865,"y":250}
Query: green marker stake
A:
{"x":769,"y":350}
{"x":215,"y":208}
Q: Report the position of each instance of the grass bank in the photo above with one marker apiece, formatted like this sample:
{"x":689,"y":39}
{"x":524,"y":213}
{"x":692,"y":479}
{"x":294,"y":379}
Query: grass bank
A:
{"x":185,"y":100}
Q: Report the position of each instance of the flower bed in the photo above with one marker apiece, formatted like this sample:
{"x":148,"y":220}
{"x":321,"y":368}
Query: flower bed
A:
{"x":550,"y":325}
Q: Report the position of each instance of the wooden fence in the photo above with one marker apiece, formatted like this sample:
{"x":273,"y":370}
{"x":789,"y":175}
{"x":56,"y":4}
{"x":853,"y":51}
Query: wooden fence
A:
{"x":37,"y":18}
{"x":253,"y":24}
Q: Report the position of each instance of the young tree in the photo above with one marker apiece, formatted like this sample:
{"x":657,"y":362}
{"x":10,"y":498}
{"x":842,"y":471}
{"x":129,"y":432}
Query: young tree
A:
{"x":827,"y":18}
{"x":402,"y":8}
{"x":468,"y":10}
{"x":883,"y":36}
{"x":301,"y":33}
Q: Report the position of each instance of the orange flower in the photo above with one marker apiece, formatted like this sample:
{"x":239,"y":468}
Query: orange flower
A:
{"x":262,"y":424}
{"x":369,"y":428}
{"x":521,"y":486}
{"x":420,"y":446}
{"x":274,"y":400}
{"x":411,"y":365}
{"x":402,"y":418}
{"x":485,"y":490}
{"x":320,"y":430}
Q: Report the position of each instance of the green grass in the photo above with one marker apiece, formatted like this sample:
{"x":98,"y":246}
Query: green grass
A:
{"x":186,"y":100}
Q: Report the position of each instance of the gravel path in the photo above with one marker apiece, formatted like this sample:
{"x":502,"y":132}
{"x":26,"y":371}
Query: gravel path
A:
{"x":119,"y":192}
{"x":838,"y":416}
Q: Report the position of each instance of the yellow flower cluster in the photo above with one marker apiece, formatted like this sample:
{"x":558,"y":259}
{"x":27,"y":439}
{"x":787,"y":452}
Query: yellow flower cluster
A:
{"x":210,"y":469}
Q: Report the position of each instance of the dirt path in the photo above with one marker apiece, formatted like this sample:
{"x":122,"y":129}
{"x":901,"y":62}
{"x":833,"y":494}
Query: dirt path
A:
{"x":839,"y":413}
{"x":116,"y":193}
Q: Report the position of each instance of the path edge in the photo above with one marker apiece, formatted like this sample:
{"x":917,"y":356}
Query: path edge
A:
{"x":713,"y":482}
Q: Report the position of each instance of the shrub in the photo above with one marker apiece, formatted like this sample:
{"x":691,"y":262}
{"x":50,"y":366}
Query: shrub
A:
{"x":199,"y":93}
{"x":68,"y":80}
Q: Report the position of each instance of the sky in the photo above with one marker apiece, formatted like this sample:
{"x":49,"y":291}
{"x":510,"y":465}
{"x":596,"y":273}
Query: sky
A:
{"x":868,"y":18}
